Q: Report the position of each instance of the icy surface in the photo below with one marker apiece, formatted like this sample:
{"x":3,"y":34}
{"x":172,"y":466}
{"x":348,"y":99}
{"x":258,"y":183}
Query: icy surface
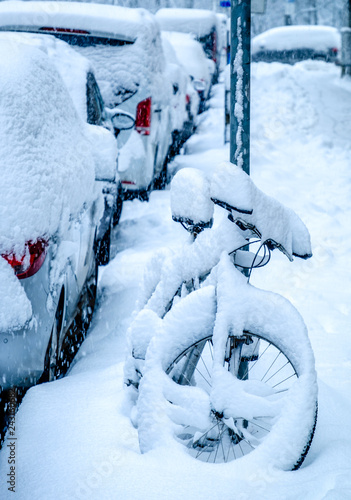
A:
{"x":79,"y":428}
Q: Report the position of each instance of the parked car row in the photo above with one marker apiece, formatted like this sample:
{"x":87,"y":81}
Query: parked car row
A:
{"x":93,"y":104}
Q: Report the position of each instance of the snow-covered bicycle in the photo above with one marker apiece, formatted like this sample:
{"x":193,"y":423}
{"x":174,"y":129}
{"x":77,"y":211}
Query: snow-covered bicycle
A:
{"x":223,"y":370}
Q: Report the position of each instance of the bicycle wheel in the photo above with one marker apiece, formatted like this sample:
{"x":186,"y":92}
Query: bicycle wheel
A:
{"x":260,"y":402}
{"x":270,"y":375}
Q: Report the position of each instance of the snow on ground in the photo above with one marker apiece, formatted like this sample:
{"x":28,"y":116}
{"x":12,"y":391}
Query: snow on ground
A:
{"x":74,"y":436}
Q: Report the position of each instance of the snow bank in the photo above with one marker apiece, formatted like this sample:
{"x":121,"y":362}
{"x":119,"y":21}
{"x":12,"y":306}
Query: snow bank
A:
{"x":47,"y":171}
{"x":320,"y":38}
{"x":196,"y":21}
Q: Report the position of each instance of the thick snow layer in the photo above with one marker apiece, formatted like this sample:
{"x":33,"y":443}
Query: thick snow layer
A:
{"x":47,"y":171}
{"x":79,"y":428}
{"x":73,"y":68}
{"x":319,"y":38}
{"x":275,"y":222}
{"x":190,"y":196}
{"x":128,"y":68}
{"x":238,"y":306}
{"x":119,"y":22}
{"x":196,"y":21}
{"x":118,"y":68}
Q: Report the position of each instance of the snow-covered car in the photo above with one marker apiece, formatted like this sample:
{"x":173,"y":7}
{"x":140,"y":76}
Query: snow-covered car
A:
{"x":54,"y":159}
{"x":185,"y":100}
{"x":201,"y":24}
{"x":191,"y":55}
{"x":290,"y":44}
{"x":124,"y":46}
{"x":223,"y":30}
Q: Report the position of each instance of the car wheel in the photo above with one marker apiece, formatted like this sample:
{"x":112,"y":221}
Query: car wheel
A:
{"x":87,"y":303}
{"x":51,"y":357}
{"x":119,"y":206}
{"x":78,"y":328}
{"x":103,"y":248}
{"x":161,"y":181}
{"x":10,"y":400}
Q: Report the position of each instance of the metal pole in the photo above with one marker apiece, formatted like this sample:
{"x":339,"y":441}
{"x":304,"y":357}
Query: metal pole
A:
{"x":346,"y":41}
{"x":240,"y":84}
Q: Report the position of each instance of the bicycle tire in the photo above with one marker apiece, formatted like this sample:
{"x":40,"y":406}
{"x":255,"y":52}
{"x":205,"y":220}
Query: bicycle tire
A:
{"x":165,"y":407}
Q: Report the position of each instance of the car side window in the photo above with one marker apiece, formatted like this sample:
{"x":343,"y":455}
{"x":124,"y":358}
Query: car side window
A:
{"x":95,"y":105}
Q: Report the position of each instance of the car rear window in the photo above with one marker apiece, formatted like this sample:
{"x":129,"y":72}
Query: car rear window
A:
{"x":86,"y":40}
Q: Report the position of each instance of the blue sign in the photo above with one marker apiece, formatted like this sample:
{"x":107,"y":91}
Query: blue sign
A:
{"x":225,"y":3}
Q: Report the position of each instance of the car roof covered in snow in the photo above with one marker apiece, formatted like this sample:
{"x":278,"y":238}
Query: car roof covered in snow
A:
{"x":200,"y":22}
{"x":107,"y":20}
{"x":295,"y":37}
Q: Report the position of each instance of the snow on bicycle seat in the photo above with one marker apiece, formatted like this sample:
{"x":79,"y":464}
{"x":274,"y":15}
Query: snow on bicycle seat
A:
{"x":251,"y":209}
{"x":190,"y":198}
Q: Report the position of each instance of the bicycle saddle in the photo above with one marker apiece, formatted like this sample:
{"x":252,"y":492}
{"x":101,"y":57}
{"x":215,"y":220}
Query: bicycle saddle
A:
{"x":191,"y":204}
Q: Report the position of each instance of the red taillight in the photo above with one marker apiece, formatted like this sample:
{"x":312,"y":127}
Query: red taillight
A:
{"x":143,"y":117}
{"x":187,"y":98}
{"x":334,"y":50}
{"x":64,"y":30}
{"x":31,"y":261}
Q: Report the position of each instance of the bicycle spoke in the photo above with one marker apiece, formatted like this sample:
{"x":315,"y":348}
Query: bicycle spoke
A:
{"x":260,"y":356}
{"x":277,"y":356}
{"x":257,"y":425}
{"x":287,"y":378}
{"x":279,"y":369}
{"x":205,"y":367}
{"x":227,"y":440}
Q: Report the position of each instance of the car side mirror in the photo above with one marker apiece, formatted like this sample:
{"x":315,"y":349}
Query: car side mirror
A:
{"x":121,"y":120}
{"x":199,"y":85}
